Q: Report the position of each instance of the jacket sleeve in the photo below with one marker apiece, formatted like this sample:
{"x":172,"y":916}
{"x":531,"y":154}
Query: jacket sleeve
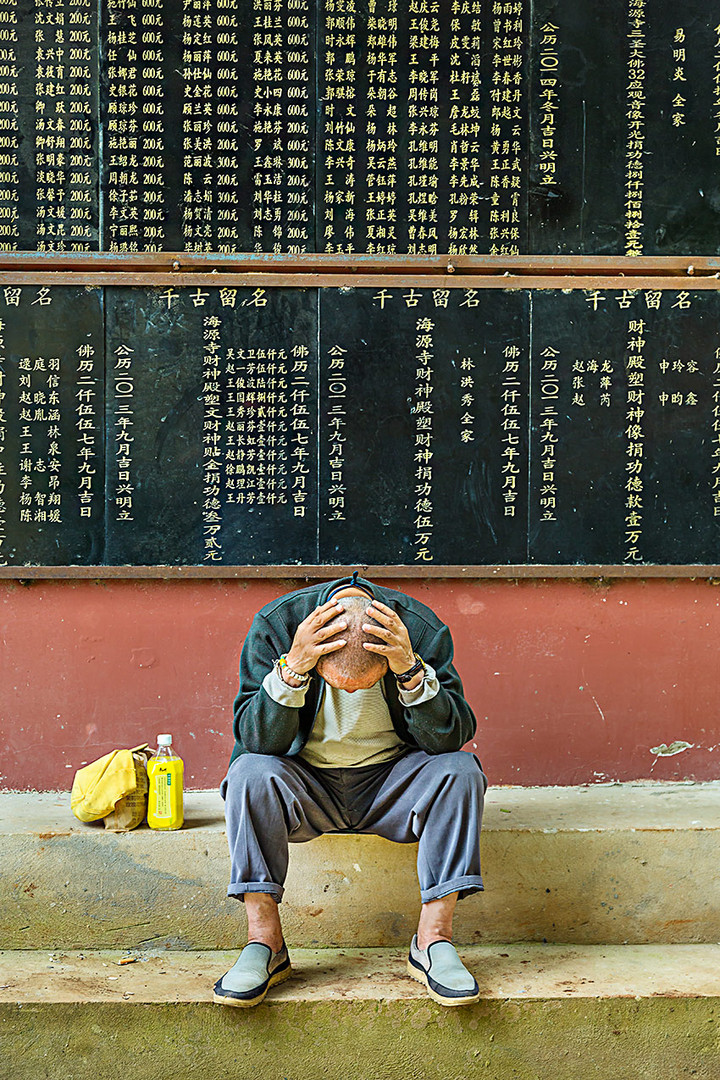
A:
{"x":445,"y":722}
{"x":260,"y":724}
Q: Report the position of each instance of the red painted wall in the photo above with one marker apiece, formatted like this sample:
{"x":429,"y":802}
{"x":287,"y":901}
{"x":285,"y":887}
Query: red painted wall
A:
{"x":572,"y":682}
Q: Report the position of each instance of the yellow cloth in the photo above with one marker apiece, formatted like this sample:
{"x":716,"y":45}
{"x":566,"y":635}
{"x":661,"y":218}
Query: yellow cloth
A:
{"x":98,"y":786}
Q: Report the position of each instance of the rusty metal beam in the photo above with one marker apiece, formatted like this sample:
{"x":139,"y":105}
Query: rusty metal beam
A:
{"x":490,"y":266}
{"x":299,"y":280}
{"x":312,"y":572}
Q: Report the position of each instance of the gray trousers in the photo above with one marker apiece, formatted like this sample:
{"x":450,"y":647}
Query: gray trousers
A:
{"x":436,"y":800}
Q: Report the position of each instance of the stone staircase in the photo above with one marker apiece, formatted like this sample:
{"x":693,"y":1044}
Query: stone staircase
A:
{"x":595,"y":946}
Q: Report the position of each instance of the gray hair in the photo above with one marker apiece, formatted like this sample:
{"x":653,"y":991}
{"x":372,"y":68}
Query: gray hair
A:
{"x":353,"y":661}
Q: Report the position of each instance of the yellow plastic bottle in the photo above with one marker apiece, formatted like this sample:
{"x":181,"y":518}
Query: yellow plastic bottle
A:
{"x":165,"y":794}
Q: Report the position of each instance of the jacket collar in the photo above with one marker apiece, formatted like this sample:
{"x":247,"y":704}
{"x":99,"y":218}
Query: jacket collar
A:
{"x":343,"y":583}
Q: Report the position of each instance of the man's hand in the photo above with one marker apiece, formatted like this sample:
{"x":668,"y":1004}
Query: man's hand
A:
{"x":396,"y":647}
{"x":310,"y":641}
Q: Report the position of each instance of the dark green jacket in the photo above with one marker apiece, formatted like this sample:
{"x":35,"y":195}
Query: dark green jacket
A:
{"x":261,"y":726}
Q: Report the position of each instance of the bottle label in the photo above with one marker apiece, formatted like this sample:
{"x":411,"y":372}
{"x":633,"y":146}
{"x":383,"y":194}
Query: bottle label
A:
{"x":163,"y":788}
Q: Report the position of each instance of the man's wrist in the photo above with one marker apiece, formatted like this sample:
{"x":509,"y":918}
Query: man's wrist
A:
{"x":414,"y":683}
{"x":412,"y":674}
{"x":289,"y":676}
{"x":296,"y":664}
{"x":288,"y":679}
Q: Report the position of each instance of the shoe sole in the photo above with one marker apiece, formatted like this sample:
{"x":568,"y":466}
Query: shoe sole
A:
{"x":247,"y":1003}
{"x":421,"y":977}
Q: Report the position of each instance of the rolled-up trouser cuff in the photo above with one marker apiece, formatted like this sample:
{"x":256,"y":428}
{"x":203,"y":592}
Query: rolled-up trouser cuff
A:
{"x":237,"y":889}
{"x":463,"y":886}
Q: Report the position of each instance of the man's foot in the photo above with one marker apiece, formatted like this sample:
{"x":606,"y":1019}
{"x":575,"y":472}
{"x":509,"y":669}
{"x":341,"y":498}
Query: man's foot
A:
{"x":251,"y":976}
{"x":440,"y":969}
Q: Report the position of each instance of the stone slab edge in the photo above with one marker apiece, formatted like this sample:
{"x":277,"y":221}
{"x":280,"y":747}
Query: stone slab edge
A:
{"x":520,"y":972}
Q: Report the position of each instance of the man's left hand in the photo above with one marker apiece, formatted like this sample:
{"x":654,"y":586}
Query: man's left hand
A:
{"x":395,"y":647}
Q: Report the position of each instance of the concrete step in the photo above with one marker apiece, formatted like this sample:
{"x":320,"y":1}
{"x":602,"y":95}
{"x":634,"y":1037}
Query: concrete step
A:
{"x":602,"y":864}
{"x":623,"y":1011}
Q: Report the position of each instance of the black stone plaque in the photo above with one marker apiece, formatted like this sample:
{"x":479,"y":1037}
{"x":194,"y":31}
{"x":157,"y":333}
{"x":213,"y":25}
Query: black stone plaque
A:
{"x":49,"y":127}
{"x":212,"y":426}
{"x":577,"y":124}
{"x":422,"y":136}
{"x":423,"y":451}
{"x":682,"y":200}
{"x":141,"y":104}
{"x":209,"y":120}
{"x":623,"y":105}
{"x":623,"y":442}
{"x":51,"y":426}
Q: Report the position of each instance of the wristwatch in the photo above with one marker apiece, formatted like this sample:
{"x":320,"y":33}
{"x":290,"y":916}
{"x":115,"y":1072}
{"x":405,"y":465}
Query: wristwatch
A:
{"x":409,"y":675}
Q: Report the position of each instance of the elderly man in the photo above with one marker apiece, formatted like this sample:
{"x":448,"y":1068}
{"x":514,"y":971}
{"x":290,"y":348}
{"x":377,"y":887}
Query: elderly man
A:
{"x":350,"y":717}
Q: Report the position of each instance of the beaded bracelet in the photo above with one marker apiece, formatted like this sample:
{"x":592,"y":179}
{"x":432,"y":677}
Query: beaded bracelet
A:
{"x":282,"y":663}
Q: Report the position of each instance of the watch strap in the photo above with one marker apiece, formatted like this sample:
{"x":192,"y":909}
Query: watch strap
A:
{"x":409,"y":675}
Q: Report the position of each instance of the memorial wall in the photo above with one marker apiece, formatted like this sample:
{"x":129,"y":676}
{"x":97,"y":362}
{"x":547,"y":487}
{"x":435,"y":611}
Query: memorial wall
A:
{"x":497,"y":127}
{"x":247,"y":424}
{"x":230,"y":426}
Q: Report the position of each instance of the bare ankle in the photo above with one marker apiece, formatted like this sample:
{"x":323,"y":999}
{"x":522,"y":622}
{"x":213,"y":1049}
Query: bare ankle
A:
{"x":264,"y":920}
{"x":273,"y":943}
{"x":424,"y":940}
{"x":436,"y":920}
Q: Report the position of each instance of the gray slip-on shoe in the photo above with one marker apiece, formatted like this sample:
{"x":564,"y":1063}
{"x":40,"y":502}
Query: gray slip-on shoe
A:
{"x":441,"y":970}
{"x":251,"y":976}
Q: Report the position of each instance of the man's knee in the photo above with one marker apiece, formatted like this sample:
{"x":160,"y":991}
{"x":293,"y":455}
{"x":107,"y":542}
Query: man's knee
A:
{"x":251,"y":773}
{"x":460,"y":770}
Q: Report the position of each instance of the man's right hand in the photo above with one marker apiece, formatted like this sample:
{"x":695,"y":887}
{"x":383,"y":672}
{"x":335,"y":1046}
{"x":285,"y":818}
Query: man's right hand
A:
{"x":311,"y":637}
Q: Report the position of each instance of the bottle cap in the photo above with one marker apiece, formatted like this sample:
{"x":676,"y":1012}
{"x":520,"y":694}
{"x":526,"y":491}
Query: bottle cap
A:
{"x":164,"y":740}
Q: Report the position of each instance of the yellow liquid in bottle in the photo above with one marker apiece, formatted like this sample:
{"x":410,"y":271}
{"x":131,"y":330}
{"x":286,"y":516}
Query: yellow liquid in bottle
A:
{"x":165,"y":794}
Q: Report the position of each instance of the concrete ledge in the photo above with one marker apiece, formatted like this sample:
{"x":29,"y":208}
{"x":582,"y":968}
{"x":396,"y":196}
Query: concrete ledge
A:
{"x":504,"y":972}
{"x":546,"y":1011}
{"x":616,"y":863}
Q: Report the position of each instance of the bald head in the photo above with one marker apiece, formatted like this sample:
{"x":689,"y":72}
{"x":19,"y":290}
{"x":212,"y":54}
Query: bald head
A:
{"x":352,"y":667}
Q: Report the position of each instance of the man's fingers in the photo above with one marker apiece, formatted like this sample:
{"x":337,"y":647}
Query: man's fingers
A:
{"x":384,"y":608}
{"x":320,"y":616}
{"x":326,"y":611}
{"x":378,"y":631}
{"x":328,"y":604}
{"x":371,"y":647}
{"x":331,"y":646}
{"x":383,"y":614}
{"x":328,"y":631}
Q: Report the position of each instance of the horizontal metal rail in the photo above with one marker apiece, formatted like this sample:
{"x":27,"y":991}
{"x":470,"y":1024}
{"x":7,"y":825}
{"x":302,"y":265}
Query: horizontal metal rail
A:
{"x":343,"y":265}
{"x":303,"y":280}
{"x":311,"y":572}
{"x":168,"y":269}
